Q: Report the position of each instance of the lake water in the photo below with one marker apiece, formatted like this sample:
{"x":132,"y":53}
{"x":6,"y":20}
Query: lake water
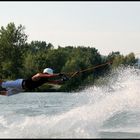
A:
{"x":110,"y":110}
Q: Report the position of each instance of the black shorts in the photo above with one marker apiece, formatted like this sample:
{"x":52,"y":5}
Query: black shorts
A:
{"x":29,"y":84}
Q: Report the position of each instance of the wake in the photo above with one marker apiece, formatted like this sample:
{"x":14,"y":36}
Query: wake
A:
{"x":108,"y":108}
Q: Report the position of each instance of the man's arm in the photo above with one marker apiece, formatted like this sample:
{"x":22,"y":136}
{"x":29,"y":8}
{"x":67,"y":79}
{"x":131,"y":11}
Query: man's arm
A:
{"x":41,"y":75}
{"x":56,"y":81}
{"x":60,"y":81}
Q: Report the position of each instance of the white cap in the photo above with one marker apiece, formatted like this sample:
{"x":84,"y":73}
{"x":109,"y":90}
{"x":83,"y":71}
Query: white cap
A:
{"x":48,"y":70}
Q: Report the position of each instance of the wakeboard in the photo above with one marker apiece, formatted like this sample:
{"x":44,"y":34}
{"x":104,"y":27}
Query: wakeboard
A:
{"x":10,"y":92}
{"x":4,"y":92}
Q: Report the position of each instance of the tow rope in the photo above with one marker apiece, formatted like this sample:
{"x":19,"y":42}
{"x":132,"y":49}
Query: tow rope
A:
{"x":88,"y":69}
{"x":72,"y":74}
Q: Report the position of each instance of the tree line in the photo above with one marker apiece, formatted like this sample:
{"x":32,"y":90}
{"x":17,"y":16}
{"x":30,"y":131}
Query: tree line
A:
{"x":20,"y":59}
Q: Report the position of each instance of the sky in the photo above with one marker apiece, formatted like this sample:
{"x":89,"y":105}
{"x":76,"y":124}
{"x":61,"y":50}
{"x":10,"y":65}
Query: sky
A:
{"x":107,"y":26}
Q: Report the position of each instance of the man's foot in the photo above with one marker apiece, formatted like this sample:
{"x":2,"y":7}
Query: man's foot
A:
{"x":3,"y":93}
{"x":2,"y":89}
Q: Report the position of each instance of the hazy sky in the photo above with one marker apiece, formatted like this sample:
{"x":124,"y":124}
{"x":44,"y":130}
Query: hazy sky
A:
{"x":107,"y":26}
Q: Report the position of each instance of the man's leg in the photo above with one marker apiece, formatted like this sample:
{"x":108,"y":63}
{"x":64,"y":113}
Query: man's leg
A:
{"x":15,"y":84}
{"x":11,"y":87}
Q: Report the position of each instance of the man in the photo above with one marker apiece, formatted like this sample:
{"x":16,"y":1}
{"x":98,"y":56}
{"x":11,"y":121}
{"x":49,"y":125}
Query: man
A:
{"x":19,"y":85}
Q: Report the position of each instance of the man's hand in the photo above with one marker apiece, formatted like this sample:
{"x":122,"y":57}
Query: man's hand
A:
{"x":61,"y":74}
{"x":63,"y":77}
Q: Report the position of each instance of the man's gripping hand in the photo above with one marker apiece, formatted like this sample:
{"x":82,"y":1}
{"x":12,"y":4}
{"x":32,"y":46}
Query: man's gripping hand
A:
{"x":64,"y":77}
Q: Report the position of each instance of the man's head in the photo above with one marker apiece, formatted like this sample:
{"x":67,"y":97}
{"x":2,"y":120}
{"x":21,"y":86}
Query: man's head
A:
{"x":48,"y":70}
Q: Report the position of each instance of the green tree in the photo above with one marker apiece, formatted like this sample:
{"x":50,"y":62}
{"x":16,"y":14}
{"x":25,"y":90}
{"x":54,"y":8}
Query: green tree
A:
{"x":12,"y":41}
{"x":130,"y":59}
